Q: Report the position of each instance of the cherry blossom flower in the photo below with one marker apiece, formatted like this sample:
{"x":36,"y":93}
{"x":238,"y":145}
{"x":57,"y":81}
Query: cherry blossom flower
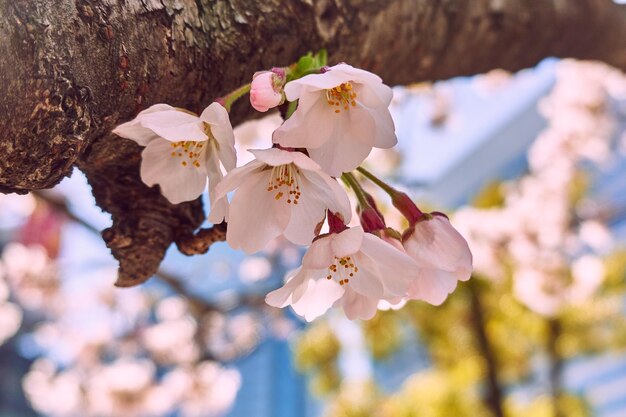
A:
{"x":266,"y":90}
{"x":443,"y":257}
{"x":182,"y":149}
{"x":280,"y":192}
{"x":351,"y":268}
{"x":341,"y":115}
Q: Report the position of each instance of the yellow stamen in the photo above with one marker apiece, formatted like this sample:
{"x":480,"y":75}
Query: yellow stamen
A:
{"x":341,"y":96}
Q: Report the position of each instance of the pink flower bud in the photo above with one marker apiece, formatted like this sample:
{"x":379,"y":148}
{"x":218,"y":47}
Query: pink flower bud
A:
{"x":265,"y":91}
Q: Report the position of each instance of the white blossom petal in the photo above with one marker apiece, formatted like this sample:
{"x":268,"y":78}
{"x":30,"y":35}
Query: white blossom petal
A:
{"x":432,"y":286}
{"x":254,"y":216}
{"x":374,"y":96}
{"x":314,"y":82}
{"x":134,"y":130}
{"x":175,"y":125}
{"x":307,"y":214}
{"x":334,"y":165}
{"x":319,"y":297}
{"x":291,"y":292}
{"x":367,"y":281}
{"x":334,"y":195}
{"x":399,"y":270}
{"x":347,"y":242}
{"x":357,"y":306}
{"x":317,"y":196}
{"x":219,"y":206}
{"x":273,"y":156}
{"x":217,"y":118}
{"x":237,"y":176}
{"x":436,"y":243}
{"x":303,"y":128}
{"x":177,"y":183}
{"x":319,"y":255}
{"x":356,"y":74}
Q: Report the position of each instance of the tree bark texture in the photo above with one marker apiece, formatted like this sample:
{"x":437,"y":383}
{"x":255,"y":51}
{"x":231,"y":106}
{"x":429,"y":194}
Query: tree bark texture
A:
{"x":70,"y":70}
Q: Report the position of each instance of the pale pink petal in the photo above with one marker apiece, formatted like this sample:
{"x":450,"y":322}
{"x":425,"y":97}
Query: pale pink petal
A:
{"x":177,"y":183}
{"x":273,"y":156}
{"x":228,"y":156}
{"x":312,"y":125}
{"x":356,"y":75}
{"x":135,"y":131}
{"x":432,"y":285}
{"x":175,"y":125}
{"x":237,"y":176}
{"x":314,"y":82}
{"x":301,"y":160}
{"x":385,"y":130}
{"x":296,"y":285}
{"x":367,"y":280}
{"x":397,"y":269}
{"x":437,"y":244}
{"x":307,"y":214}
{"x":318,"y":298}
{"x":374,"y":96}
{"x":254,"y":216}
{"x":316,"y":196}
{"x":357,"y":306}
{"x":347,"y":242}
{"x":319,"y":255}
{"x":217,"y":118}
{"x":219,"y":206}
{"x":343,"y":154}
{"x":334,"y":195}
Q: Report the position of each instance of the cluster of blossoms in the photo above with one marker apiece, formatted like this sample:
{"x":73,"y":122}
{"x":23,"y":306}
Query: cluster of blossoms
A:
{"x":109,"y":353}
{"x":106,"y":353}
{"x":546,"y":231}
{"x":334,"y":116}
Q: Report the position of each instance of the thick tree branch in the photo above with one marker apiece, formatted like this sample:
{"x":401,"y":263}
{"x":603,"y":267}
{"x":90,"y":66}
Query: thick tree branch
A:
{"x":73,"y":69}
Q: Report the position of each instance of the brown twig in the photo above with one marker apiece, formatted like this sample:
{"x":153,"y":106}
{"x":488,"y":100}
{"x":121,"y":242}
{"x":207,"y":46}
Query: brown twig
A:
{"x":556,"y":365}
{"x":494,"y":396}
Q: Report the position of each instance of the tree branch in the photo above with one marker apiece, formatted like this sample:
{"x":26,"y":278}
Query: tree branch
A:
{"x":494,"y":398}
{"x":73,"y":69}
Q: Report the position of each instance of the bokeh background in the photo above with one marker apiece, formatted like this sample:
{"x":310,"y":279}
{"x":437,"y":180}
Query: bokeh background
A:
{"x":530,"y":166}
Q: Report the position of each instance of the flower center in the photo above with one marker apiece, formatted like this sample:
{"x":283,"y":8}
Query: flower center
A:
{"x":188,"y":151}
{"x":284,"y":181}
{"x":341,"y":96}
{"x":344,"y":268}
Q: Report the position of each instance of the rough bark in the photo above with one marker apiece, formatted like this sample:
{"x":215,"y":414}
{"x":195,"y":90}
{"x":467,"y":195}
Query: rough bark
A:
{"x":72,"y":69}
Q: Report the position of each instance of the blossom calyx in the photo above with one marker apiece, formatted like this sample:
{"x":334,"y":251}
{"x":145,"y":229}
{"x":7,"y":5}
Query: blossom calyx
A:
{"x":407,"y":207}
{"x":371,"y":219}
